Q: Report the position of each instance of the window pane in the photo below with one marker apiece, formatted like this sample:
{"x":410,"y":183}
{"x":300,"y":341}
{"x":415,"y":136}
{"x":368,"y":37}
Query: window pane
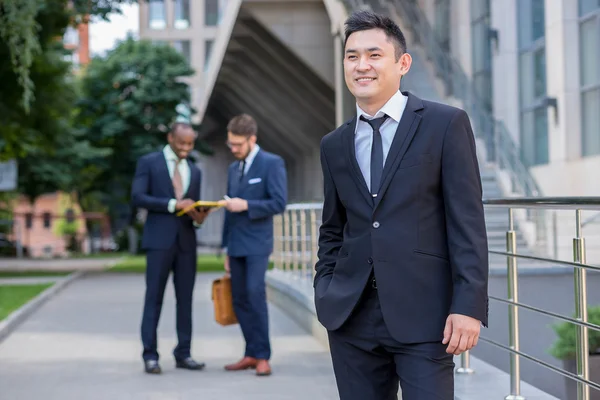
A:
{"x":541,"y":136}
{"x":479,"y":8}
{"x":442,"y":22}
{"x":590,"y":129}
{"x":586,"y":6}
{"x":483,"y":88}
{"x":525,"y":81}
{"x":589,"y":49}
{"x":156,"y":14}
{"x":531,"y":21}
{"x":538,"y":21}
{"x":208,"y":45}
{"x":211,"y":12}
{"x":183,"y":46}
{"x":534,"y":137}
{"x":539,"y":63}
{"x":182,"y":14}
{"x":480,"y":45}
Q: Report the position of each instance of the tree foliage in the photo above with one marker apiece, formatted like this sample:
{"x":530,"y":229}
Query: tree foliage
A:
{"x":129,"y":99}
{"x":42,"y":137}
{"x":19,"y":32}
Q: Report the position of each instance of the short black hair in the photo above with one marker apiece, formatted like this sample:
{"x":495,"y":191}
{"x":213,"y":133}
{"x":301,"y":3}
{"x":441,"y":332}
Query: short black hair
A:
{"x":363,"y":20}
{"x":178,"y":125}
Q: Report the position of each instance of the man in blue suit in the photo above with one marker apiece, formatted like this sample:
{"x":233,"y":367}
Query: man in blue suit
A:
{"x":164,"y":183}
{"x":256,"y":191}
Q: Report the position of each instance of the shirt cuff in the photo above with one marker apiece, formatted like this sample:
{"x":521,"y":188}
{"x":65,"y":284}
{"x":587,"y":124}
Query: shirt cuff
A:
{"x":171,"y":205}
{"x":197,"y":225}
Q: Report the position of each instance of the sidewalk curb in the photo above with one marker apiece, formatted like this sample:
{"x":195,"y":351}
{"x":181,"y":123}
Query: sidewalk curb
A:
{"x":18,"y":316}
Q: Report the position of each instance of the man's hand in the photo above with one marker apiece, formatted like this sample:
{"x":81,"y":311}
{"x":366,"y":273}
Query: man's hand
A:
{"x":199,"y":215}
{"x":235,"y":205}
{"x":461,"y":333}
{"x":226,"y":264}
{"x":181,"y":204}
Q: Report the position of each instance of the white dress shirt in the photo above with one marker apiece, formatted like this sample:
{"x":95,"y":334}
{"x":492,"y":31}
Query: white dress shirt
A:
{"x":184,"y":171}
{"x":363,"y":138}
{"x":249,"y":159}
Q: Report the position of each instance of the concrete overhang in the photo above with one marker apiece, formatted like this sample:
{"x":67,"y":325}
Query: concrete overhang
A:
{"x":261,"y":76}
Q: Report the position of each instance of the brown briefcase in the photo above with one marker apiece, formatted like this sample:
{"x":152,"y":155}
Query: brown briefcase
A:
{"x":223,"y":301}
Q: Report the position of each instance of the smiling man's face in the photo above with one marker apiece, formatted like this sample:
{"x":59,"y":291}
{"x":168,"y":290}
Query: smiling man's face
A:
{"x":371,"y":68}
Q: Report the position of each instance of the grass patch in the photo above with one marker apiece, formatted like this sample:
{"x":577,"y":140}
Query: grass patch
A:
{"x":205,"y":263}
{"x":99,"y":256}
{"x":14,"y":296}
{"x":32,"y":273}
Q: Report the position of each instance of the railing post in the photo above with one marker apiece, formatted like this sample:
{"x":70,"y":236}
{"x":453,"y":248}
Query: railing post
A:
{"x":294,"y":243}
{"x":313,"y":240}
{"x":303,"y":243}
{"x":465,"y":364}
{"x":276,"y":241}
{"x":582,"y":350}
{"x":284,"y":245}
{"x":513,"y":311}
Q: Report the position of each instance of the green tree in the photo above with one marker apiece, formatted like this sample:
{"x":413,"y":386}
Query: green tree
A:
{"x":129,"y":99}
{"x":41,"y":136}
{"x":19,"y":33}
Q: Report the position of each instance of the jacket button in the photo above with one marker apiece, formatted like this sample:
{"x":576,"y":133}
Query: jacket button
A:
{"x":376,"y":224}
{"x":370,"y":260}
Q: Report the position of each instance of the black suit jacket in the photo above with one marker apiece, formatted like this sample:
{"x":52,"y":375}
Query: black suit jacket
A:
{"x":424,"y":235}
{"x":152,"y":189}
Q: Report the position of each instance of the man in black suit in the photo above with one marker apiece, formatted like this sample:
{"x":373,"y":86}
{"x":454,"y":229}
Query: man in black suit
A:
{"x":165,"y":182}
{"x":401,"y":279}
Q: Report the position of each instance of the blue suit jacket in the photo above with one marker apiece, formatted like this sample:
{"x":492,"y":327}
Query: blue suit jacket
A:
{"x":265,"y":188}
{"x":152,"y":189}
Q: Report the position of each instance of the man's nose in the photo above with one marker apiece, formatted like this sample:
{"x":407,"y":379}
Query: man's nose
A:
{"x":363,"y":64}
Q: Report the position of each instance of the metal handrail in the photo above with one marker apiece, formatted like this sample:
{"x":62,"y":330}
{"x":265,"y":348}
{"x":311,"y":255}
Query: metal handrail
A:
{"x":542,"y":363}
{"x":296,"y":248}
{"x":556,"y":203}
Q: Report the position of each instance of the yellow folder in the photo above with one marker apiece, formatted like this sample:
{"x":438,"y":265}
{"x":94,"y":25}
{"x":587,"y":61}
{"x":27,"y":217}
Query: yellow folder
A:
{"x":200,"y":204}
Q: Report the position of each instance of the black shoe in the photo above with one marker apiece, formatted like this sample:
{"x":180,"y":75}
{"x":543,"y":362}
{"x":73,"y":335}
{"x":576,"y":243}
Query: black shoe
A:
{"x":152,"y":367}
{"x":188,"y":363}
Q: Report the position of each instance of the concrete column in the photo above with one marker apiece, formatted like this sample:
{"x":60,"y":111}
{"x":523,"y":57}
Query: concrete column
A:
{"x":562,"y":71}
{"x":505,"y":65}
{"x":345,"y":105}
{"x":338,"y":54}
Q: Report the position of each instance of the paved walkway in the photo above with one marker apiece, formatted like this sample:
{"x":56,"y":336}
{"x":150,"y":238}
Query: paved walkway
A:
{"x":84,"y":344}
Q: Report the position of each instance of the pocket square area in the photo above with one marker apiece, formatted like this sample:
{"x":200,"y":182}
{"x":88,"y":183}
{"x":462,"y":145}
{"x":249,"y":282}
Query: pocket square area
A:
{"x":254,"y":180}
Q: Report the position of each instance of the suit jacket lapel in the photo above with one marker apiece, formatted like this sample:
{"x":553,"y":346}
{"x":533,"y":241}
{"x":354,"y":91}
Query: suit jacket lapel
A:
{"x":348,"y":139}
{"x":404,"y":135}
{"x":193,"y":178}
{"x":253,"y":167}
{"x":163,"y":170}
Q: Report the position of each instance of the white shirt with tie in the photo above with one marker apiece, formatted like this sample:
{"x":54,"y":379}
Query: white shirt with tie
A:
{"x":363,"y":138}
{"x":184,"y":171}
{"x":250,"y":158}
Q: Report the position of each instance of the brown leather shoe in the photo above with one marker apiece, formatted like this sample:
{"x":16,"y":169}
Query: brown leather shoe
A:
{"x":244,"y":363}
{"x":263,"y":368}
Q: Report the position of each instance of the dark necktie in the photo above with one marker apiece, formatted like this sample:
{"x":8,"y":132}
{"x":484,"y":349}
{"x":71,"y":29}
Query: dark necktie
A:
{"x":242,"y":167}
{"x":376,"y":153}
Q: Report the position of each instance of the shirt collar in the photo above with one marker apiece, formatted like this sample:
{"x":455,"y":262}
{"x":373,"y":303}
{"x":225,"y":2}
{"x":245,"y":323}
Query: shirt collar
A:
{"x":393,"y":108}
{"x":252,"y":154}
{"x":170,"y":154}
